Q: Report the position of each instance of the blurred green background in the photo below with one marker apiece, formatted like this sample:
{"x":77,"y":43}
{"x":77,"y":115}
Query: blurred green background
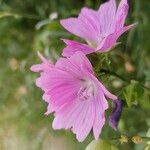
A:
{"x":30,"y":25}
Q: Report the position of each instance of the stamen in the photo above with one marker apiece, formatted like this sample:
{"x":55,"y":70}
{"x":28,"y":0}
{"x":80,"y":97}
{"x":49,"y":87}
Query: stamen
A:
{"x":86,"y":91}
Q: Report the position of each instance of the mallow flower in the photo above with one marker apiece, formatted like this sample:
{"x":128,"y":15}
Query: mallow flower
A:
{"x":73,"y":93}
{"x":100,"y":29}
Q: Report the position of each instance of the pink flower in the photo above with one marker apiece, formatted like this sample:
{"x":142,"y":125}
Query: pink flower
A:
{"x":74,"y":94}
{"x":100,"y":28}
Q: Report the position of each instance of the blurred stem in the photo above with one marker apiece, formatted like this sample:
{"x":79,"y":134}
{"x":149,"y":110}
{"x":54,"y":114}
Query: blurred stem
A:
{"x":130,"y":137}
{"x":113,"y":74}
{"x":121,"y":78}
{"x":18,"y":15}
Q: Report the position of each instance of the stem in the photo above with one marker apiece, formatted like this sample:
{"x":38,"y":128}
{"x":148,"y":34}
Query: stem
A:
{"x":114,"y":74}
{"x":130,"y":137}
{"x":143,"y":137}
{"x":121,"y":78}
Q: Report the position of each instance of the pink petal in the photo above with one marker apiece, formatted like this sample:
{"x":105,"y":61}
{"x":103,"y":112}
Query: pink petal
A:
{"x":121,"y":14}
{"x":101,"y":105}
{"x":37,"y":67}
{"x":62,"y":95}
{"x":43,"y":59}
{"x":46,"y":97}
{"x":54,"y":78}
{"x":102,"y":91}
{"x":79,"y":27}
{"x":98,"y":124}
{"x":73,"y":46}
{"x":86,"y":122}
{"x":107,"y":93}
{"x":91,"y":19}
{"x":69,"y":67}
{"x":111,"y":40}
{"x":44,"y":66}
{"x":78,"y":120}
{"x":66,"y":116}
{"x":78,"y":64}
{"x":107,"y":13}
{"x":79,"y":116}
{"x":82,"y":62}
{"x":50,"y":109}
{"x":60,"y":86}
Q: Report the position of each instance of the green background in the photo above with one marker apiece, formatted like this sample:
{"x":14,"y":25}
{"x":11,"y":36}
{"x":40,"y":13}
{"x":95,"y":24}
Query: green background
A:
{"x":25,"y":27}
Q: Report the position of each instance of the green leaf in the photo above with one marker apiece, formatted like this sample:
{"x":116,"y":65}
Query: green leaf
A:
{"x":100,"y":145}
{"x":145,"y":100}
{"x":133,"y":93}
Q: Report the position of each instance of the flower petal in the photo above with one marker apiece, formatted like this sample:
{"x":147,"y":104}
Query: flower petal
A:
{"x":107,"y":93}
{"x":77,"y":64}
{"x":79,"y":28}
{"x":101,"y":105}
{"x":66,"y":116}
{"x":73,"y":46}
{"x":121,"y":14}
{"x":98,"y":123}
{"x":107,"y":13}
{"x":44,"y":66}
{"x":86,"y":122}
{"x":111,"y":40}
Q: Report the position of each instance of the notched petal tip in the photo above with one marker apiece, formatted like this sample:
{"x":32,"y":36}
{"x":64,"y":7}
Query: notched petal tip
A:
{"x":67,"y":22}
{"x":46,"y":113}
{"x":43,"y":59}
{"x":62,"y":21}
{"x":33,"y":68}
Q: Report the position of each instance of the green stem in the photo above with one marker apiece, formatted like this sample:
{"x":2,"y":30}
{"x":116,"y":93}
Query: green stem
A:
{"x":120,"y":77}
{"x":113,"y":74}
{"x":130,"y":137}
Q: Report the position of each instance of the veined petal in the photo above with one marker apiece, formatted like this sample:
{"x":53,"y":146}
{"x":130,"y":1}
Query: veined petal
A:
{"x":91,"y":19}
{"x":107,"y":93}
{"x":66,"y":116}
{"x":121,"y":14}
{"x":79,"y":28}
{"x":111,"y":40}
{"x":81,"y":61}
{"x":63,"y":94}
{"x":77,"y":64}
{"x":102,"y":91}
{"x":86,"y":122}
{"x":101,"y":105}
{"x":98,"y":123}
{"x":50,"y":109}
{"x":107,"y":13}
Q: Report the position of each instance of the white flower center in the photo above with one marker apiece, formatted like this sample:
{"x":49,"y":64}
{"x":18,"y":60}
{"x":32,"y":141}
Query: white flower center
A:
{"x":94,"y":44}
{"x":86,"y":91}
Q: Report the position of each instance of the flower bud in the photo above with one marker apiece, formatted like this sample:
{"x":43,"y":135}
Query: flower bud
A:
{"x":136,"y":139}
{"x":116,"y":114}
{"x":123,"y":139}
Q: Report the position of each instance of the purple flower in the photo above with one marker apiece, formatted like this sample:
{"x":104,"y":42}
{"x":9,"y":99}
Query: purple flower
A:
{"x":116,"y":113}
{"x":74,"y":94}
{"x":100,"y":29}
